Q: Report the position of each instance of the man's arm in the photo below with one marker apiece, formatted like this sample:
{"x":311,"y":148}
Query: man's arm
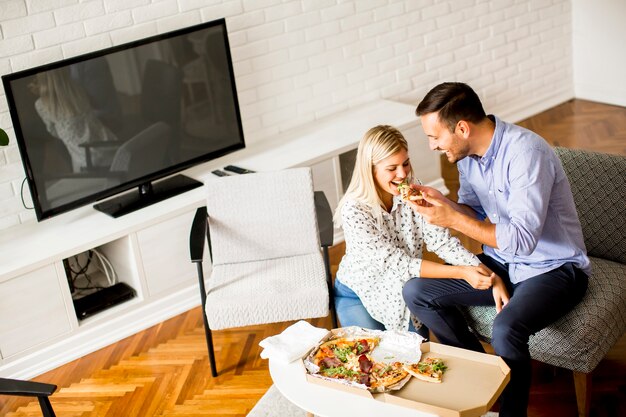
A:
{"x":441,"y":211}
{"x":474,"y":228}
{"x":464,"y":209}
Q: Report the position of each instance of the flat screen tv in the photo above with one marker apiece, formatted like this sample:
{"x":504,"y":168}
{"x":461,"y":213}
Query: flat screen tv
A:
{"x":115,"y":121}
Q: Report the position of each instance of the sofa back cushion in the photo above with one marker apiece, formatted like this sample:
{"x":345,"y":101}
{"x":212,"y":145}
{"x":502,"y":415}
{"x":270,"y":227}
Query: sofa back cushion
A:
{"x":598,"y":183}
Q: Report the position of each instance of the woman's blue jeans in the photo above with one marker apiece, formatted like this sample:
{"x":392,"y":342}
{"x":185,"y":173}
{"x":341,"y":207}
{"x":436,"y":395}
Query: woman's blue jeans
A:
{"x":351,"y":311}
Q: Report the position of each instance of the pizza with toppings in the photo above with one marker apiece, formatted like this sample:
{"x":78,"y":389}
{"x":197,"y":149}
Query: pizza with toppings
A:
{"x":430,"y":369}
{"x":408,"y":193}
{"x":349,"y":359}
{"x":385,"y":375}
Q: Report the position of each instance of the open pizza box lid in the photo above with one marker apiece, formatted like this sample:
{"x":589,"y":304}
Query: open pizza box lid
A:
{"x":471,"y":384}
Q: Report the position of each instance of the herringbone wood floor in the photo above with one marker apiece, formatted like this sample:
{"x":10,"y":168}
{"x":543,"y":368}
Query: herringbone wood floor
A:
{"x":164,"y":370}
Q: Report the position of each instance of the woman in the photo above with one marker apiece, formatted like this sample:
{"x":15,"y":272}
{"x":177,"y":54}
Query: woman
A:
{"x":384,"y":239}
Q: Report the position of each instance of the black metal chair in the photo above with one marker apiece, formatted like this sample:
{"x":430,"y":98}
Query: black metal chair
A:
{"x":40,"y":390}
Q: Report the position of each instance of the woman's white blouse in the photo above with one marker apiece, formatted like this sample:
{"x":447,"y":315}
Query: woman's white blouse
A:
{"x":380,"y":259}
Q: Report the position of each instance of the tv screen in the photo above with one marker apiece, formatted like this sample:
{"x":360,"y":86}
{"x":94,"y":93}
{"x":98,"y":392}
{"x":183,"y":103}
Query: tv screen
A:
{"x":100,"y":124}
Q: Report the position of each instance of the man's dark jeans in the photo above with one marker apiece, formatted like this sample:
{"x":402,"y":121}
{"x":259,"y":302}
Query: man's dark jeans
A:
{"x":534,"y":304}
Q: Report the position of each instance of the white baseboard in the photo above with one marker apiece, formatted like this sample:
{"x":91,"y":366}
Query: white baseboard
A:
{"x":88,"y":338}
{"x":601,"y":95}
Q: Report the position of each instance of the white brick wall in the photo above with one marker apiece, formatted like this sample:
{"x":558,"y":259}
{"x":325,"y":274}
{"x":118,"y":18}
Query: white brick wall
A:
{"x":299,"y":60}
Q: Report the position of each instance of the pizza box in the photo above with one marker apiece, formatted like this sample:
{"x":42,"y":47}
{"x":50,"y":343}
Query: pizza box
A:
{"x":471,"y":384}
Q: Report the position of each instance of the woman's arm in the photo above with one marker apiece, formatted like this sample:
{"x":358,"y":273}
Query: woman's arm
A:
{"x":444,"y":245}
{"x":479,"y":277}
{"x":463,"y":264}
{"x":376,"y":251}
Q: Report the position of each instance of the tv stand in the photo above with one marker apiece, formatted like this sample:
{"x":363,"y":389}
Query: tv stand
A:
{"x":147,"y":194}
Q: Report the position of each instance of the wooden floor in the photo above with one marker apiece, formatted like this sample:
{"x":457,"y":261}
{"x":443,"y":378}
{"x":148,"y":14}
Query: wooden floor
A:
{"x":164,"y":370}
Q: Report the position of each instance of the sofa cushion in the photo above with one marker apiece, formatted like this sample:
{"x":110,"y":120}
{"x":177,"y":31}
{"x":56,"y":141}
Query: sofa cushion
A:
{"x":598,"y":183}
{"x":268,"y":291}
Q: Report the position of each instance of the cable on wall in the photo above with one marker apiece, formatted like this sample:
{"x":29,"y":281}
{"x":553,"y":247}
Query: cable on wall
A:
{"x":22,"y":195}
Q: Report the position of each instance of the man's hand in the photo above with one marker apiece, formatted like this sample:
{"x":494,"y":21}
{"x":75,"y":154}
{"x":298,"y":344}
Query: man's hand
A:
{"x":439,"y":211}
{"x":430,"y":192}
{"x":479,"y":277}
{"x":435,"y":207}
{"x":500,"y":294}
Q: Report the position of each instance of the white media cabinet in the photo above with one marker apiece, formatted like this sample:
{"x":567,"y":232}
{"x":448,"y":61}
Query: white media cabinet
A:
{"x":39,"y":330}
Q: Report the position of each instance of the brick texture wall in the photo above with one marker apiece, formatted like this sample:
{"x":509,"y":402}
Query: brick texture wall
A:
{"x":299,"y":60}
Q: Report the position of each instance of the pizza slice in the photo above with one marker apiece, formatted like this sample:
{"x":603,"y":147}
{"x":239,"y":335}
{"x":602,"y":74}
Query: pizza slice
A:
{"x":385,"y":375}
{"x":349,"y":359}
{"x":407,"y":193}
{"x":342,"y":372}
{"x":430,"y":369}
{"x":355,"y":368}
{"x":343,"y":350}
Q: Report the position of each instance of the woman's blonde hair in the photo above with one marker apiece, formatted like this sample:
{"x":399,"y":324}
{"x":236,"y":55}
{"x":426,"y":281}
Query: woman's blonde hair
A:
{"x":378,"y":143}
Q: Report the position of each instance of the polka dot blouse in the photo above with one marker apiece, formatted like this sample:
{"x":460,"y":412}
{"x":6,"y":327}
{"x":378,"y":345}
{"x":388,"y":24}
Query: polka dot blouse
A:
{"x":381,"y":258}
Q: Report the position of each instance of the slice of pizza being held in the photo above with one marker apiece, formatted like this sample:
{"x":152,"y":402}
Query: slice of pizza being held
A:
{"x":430,"y":369}
{"x":407,"y":193}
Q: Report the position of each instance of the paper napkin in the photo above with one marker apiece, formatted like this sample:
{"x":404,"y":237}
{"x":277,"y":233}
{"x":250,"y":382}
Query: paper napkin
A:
{"x":293,"y":343}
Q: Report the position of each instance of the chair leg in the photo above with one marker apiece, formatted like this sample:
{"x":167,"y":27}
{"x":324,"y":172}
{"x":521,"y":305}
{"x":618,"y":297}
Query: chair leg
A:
{"x":46,"y":407}
{"x":209,"y":343}
{"x":582,"y":384}
{"x":331,"y":290}
{"x":207,"y":329}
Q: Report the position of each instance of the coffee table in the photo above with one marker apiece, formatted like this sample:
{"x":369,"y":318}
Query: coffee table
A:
{"x":471,"y":385}
{"x":290,"y":379}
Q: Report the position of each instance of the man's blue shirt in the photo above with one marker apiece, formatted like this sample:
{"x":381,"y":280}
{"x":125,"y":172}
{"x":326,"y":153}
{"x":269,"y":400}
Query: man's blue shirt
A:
{"x":520,"y":186}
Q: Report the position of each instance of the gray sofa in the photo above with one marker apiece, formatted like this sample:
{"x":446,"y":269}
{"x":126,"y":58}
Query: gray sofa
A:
{"x":580,"y":339}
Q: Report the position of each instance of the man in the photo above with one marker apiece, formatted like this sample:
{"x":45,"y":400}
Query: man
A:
{"x":515,"y":199}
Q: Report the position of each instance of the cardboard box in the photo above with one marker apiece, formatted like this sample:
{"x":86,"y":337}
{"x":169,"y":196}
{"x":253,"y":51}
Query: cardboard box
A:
{"x":470,"y":386}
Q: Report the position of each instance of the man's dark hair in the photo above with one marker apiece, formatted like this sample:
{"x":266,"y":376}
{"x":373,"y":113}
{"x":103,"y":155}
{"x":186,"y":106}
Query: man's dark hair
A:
{"x":454,"y":101}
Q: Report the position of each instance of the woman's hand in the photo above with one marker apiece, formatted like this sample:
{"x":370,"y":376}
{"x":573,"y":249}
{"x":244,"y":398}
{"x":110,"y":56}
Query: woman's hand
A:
{"x":500,"y":293}
{"x":479,"y":277}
